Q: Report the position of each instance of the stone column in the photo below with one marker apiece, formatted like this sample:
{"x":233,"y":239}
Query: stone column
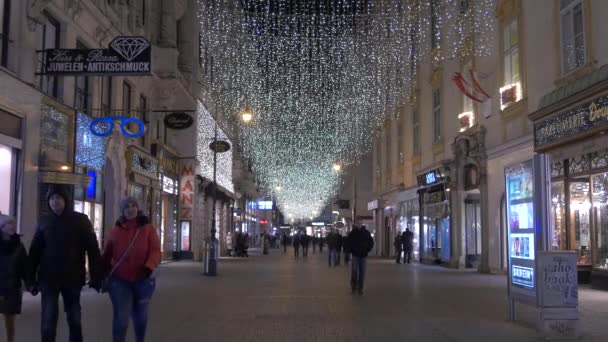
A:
{"x":456,"y":186}
{"x":168,"y":26}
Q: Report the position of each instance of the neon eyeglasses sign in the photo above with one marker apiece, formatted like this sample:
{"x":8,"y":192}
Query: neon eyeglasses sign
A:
{"x":102,"y":127}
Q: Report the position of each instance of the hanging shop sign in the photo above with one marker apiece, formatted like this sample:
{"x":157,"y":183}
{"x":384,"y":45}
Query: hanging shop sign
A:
{"x":219,"y":146}
{"x":178,"y":120}
{"x":169,"y":185}
{"x":103,"y":127}
{"x":125,"y":56}
{"x":576,"y":122}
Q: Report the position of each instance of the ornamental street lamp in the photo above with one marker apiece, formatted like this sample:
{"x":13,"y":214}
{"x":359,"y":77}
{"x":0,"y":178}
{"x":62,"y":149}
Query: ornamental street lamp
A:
{"x":218,"y":146}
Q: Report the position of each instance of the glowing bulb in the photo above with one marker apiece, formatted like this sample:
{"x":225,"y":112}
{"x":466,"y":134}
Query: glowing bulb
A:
{"x":247,"y":115}
{"x":65,"y":167}
{"x":337,"y":167}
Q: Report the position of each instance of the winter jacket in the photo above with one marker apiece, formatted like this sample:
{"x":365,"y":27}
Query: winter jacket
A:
{"x":360,"y":242}
{"x":13,"y":265}
{"x":408,"y":240}
{"x":145,"y":253}
{"x":397,"y":243}
{"x":59,"y":250}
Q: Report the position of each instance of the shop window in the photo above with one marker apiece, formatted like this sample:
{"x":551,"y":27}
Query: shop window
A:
{"x":580,"y":206}
{"x":5,"y":9}
{"x":7,"y":172}
{"x":600,"y":212}
{"x":558,"y":217}
{"x":48,"y":34}
{"x":467,"y":117}
{"x":572,"y":34}
{"x":185,"y":236}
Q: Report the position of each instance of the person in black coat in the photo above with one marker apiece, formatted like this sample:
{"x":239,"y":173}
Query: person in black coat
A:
{"x":408,"y":245}
{"x":339,"y":242}
{"x":13,"y":261}
{"x":63,"y":242}
{"x":305,"y":240}
{"x":296,"y":245}
{"x":360,"y":243}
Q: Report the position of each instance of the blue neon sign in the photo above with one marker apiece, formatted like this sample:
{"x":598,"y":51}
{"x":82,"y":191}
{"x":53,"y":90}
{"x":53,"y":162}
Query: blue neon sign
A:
{"x":102,"y":127}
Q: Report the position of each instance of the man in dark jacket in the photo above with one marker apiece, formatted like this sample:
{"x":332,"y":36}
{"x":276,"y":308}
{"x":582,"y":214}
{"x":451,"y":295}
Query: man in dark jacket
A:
{"x":305,"y":240}
{"x":408,"y":245}
{"x":57,"y":259}
{"x":360,"y":243}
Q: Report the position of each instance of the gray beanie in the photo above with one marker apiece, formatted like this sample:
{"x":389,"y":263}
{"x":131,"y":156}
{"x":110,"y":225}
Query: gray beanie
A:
{"x":126,"y":201}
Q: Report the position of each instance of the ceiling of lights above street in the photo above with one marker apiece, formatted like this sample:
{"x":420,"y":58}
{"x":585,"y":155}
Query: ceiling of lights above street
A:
{"x":320,"y":77}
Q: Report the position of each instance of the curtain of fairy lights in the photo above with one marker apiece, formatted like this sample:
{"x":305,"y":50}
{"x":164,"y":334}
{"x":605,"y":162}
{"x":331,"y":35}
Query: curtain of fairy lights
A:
{"x":320,"y":77}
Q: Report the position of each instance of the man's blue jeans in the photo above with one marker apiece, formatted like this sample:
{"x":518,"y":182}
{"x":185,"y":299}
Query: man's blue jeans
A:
{"x":130,"y":300}
{"x":50,"y":312}
{"x":333,"y":257}
{"x":357,"y":275}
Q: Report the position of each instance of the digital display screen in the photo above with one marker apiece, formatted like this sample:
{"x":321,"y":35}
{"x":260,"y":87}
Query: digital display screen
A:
{"x":519,"y":183}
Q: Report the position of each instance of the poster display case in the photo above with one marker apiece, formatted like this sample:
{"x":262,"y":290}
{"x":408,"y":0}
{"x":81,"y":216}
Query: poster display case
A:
{"x":520,"y":215}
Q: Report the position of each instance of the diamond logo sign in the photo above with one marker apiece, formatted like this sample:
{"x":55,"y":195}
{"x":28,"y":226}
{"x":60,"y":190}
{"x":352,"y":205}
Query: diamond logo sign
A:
{"x":129,"y":47}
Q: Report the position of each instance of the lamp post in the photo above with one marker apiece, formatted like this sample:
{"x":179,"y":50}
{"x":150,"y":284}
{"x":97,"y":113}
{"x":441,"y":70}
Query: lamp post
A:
{"x":247,"y":116}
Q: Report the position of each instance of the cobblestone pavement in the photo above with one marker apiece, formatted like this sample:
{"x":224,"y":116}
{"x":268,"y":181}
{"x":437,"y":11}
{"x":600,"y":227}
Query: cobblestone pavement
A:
{"x":275,"y":298}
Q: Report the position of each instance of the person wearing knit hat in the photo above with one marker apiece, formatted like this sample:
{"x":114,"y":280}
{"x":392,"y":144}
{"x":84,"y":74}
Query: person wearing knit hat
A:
{"x":130,"y":257}
{"x":62,"y":244}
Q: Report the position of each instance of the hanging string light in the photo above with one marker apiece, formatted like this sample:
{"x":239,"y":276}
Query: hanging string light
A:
{"x":320,"y":76}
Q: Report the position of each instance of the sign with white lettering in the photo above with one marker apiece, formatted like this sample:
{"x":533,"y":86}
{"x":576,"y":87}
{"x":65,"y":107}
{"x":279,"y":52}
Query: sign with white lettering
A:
{"x":522,"y":276}
{"x":574,"y":122}
{"x":125,"y":56}
{"x":559,"y":282}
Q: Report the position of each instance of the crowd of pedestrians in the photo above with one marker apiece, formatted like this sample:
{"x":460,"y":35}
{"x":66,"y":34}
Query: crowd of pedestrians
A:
{"x":63,"y":246}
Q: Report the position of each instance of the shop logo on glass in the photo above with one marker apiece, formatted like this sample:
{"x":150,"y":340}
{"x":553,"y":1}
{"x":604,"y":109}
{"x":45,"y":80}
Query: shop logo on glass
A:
{"x":102,"y":127}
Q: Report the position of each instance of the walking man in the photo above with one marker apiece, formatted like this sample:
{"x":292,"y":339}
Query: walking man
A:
{"x":305,"y":243}
{"x":331,"y":245}
{"x":284,"y":242}
{"x":398,"y":245}
{"x":296,"y":245}
{"x":408,"y":245}
{"x":361,"y":243}
{"x":63,"y":241}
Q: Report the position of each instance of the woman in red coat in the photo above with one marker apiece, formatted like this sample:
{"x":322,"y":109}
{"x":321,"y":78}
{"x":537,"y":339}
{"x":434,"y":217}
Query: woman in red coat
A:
{"x":131,"y":255}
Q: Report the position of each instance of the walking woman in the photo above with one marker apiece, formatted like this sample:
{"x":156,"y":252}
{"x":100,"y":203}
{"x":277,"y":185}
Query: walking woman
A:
{"x":12,"y":273}
{"x":131,"y":255}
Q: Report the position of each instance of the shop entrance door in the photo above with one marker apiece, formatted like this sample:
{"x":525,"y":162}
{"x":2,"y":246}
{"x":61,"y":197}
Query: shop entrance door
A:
{"x":473,"y":233}
{"x":580,"y":209}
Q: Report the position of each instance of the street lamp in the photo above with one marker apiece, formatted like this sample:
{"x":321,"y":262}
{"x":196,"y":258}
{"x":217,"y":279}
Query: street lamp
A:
{"x":216,"y":147}
{"x":247,"y":115}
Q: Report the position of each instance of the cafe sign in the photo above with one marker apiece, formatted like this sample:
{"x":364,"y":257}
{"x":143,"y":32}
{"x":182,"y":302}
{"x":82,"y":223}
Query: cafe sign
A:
{"x":576,"y":122}
{"x":125,"y":56}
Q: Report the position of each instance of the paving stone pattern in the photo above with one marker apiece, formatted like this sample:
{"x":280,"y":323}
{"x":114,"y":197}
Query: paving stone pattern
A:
{"x":275,"y":298}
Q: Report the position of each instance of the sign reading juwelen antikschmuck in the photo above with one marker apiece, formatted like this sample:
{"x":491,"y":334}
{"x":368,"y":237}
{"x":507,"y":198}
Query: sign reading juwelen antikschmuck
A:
{"x":124,"y":56}
{"x":574,"y":122}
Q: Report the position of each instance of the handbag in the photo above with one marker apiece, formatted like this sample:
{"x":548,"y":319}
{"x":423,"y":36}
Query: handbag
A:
{"x":105,"y":285}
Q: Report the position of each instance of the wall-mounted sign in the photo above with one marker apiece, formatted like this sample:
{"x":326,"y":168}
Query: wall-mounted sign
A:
{"x":318,"y":224}
{"x":186,"y":199}
{"x":219,"y":146}
{"x":178,"y":120}
{"x":431,"y":178}
{"x":572,"y":123}
{"x":102,"y":127}
{"x":124,"y":56}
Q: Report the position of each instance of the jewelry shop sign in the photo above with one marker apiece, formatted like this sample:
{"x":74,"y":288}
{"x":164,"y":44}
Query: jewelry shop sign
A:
{"x":126,"y":55}
{"x":577,"y":121}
